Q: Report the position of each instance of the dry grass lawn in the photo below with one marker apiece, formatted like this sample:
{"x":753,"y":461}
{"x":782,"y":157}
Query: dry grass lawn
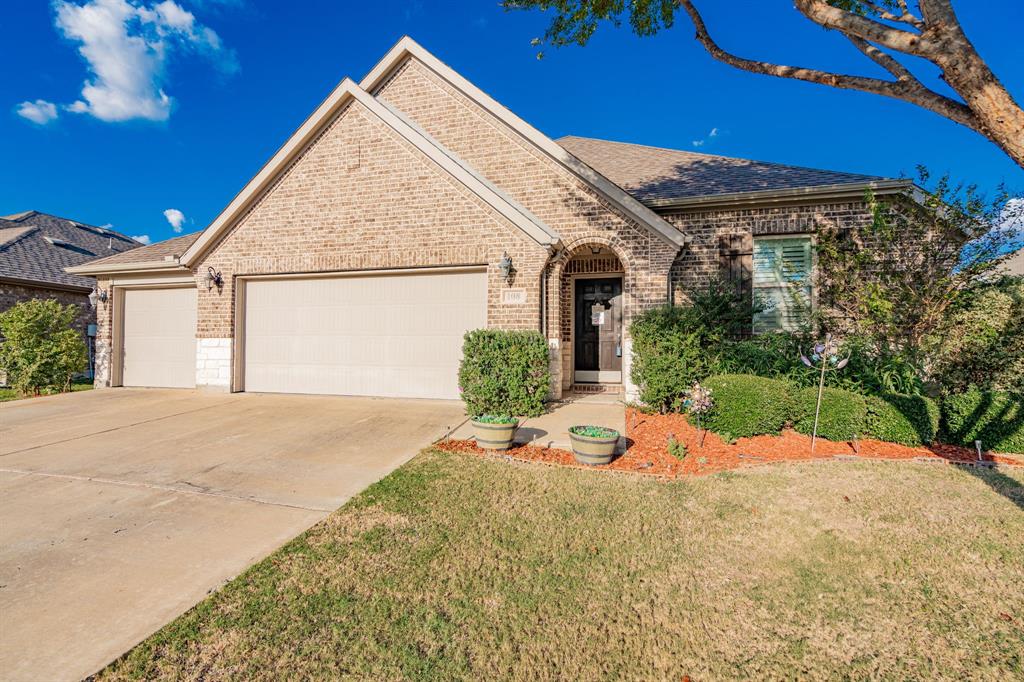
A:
{"x":458,"y":567}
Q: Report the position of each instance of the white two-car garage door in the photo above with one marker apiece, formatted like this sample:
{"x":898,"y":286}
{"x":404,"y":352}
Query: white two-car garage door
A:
{"x":393,"y":335}
{"x":159,"y":338}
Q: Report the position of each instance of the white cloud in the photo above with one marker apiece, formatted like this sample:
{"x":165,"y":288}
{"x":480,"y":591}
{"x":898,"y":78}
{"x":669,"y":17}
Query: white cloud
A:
{"x":142,"y":238}
{"x":40,"y":112}
{"x":175,"y":218}
{"x":708,"y":138}
{"x":126,"y":46}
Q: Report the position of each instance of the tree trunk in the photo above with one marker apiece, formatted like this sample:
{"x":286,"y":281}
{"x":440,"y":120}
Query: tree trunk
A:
{"x":999,"y":117}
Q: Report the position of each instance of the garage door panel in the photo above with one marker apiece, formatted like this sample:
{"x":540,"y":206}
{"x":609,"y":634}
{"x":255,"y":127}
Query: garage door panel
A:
{"x":382,"y":335}
{"x":159,"y":338}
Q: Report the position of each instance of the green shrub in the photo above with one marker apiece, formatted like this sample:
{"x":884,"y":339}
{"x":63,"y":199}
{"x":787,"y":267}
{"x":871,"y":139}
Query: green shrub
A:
{"x":774,"y":354}
{"x":669,"y":354}
{"x":504,"y":372}
{"x":995,"y":418}
{"x":747,"y":405}
{"x":40,"y":350}
{"x":843,"y":413}
{"x":982,"y":342}
{"x":905,"y":419}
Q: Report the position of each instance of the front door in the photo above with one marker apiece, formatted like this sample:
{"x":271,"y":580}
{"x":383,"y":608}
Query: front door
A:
{"x":598,"y":330}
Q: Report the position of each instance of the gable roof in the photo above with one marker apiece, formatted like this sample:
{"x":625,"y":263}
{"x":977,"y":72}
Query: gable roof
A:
{"x":35,"y":248}
{"x":407,"y":47}
{"x":163,"y":255}
{"x":344,"y":93}
{"x":662,"y":177}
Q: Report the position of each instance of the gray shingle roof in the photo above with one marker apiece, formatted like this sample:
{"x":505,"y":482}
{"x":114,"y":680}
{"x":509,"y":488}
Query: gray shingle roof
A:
{"x":37,"y":247}
{"x":654,"y":174}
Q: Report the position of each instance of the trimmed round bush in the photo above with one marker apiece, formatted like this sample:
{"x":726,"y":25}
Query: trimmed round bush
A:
{"x":996,"y":418}
{"x":504,"y":372}
{"x":746,"y":405}
{"x":905,"y":419}
{"x":843,"y":414}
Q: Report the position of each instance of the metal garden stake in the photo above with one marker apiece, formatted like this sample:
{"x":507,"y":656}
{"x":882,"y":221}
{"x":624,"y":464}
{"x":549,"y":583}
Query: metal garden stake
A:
{"x":826,"y":354}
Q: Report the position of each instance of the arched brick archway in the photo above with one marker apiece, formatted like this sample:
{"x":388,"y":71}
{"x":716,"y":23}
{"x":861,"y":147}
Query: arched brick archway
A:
{"x":644,"y":271}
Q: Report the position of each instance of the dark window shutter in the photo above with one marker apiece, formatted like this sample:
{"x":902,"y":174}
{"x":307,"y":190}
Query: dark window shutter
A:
{"x":736,"y":266}
{"x":736,"y":261}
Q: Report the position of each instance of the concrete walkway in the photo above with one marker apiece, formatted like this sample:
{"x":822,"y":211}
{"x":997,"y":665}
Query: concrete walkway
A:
{"x":551,"y":429}
{"x":122,"y":508}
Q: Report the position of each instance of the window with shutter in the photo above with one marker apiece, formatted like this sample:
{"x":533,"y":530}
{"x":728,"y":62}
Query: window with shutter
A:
{"x":782,"y":282}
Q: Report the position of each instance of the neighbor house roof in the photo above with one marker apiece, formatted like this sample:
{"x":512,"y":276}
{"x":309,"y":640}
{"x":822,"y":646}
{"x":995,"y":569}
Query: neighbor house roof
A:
{"x":162,"y":255}
{"x":36,"y":247}
{"x":661,"y":177}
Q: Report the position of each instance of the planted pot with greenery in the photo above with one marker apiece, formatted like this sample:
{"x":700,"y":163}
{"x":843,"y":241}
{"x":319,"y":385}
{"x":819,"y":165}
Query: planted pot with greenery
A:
{"x":494,"y":431}
{"x":593,"y":444}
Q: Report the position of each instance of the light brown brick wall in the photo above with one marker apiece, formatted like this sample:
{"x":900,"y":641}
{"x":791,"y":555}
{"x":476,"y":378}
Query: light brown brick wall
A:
{"x":360,"y":197}
{"x":699,"y":261}
{"x":577,"y":212}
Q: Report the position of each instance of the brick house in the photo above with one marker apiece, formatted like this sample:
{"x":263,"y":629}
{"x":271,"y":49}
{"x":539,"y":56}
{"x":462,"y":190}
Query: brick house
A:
{"x":34,"y":250}
{"x":411,"y":207}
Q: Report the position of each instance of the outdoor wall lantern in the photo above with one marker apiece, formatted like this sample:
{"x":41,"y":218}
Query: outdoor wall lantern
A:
{"x":505,"y":267}
{"x":97,"y":295}
{"x":213,"y":278}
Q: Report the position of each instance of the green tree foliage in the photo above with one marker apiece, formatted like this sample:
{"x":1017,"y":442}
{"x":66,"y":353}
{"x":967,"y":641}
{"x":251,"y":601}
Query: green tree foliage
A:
{"x":982,"y":342}
{"x":40,"y":350}
{"x":894,"y":282}
{"x":504,"y":372}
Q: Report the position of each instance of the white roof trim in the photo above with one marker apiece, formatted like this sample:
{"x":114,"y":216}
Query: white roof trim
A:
{"x":297,"y":143}
{"x":408,"y":47}
{"x":111,"y":268}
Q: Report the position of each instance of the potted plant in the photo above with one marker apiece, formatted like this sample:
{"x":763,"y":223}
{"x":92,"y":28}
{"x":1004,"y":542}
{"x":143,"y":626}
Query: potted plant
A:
{"x":494,"y":431}
{"x":593,"y":444}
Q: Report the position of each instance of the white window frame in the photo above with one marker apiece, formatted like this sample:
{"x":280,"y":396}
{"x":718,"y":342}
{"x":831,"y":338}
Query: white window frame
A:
{"x":813,"y":274}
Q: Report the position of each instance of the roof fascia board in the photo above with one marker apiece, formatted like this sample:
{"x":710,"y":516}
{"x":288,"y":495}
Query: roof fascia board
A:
{"x":114,"y":268}
{"x":819,"y":192}
{"x":346,"y":91}
{"x":42,"y":284}
{"x":408,"y":47}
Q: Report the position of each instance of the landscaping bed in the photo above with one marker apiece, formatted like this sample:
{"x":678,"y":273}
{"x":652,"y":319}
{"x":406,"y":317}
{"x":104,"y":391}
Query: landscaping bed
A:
{"x":648,"y":450}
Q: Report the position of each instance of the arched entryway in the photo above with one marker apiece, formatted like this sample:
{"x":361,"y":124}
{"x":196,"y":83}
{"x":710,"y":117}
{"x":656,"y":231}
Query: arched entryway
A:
{"x":591,"y":285}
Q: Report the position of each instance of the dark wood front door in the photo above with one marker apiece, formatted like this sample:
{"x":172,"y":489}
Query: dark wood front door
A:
{"x":598,"y":330}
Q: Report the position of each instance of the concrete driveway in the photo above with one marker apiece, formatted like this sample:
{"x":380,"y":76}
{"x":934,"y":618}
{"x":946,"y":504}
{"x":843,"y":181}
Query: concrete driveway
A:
{"x":120,"y":509}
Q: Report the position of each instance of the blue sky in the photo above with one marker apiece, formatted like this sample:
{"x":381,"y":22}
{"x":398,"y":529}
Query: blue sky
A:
{"x":182,"y":128}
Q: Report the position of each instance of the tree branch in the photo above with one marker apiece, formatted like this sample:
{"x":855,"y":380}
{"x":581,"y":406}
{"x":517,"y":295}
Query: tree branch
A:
{"x":883,"y":59}
{"x":905,"y":18}
{"x":908,"y":88}
{"x":870,"y":30}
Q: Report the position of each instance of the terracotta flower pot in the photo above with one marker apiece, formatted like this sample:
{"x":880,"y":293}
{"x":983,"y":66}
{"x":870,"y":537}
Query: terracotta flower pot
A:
{"x":494,"y":435}
{"x":596,"y":448}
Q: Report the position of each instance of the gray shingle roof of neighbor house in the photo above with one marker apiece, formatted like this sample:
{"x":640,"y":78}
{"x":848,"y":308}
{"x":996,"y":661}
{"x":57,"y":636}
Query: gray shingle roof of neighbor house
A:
{"x":1014,"y":265}
{"x":659,"y":177}
{"x":36,"y":247}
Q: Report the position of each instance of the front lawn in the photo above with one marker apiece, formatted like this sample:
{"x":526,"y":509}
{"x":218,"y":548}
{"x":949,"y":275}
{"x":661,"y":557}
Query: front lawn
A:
{"x":461,"y":567}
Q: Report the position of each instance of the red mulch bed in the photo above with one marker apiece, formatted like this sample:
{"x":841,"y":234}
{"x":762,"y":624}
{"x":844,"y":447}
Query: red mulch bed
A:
{"x":647,"y":453}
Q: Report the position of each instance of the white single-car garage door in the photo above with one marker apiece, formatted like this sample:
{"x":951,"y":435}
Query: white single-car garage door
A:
{"x":394,"y":335}
{"x":159,"y":338}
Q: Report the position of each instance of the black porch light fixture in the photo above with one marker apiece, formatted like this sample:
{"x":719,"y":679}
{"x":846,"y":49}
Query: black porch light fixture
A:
{"x":213,"y":278}
{"x":505,"y":267}
{"x":97,"y":295}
